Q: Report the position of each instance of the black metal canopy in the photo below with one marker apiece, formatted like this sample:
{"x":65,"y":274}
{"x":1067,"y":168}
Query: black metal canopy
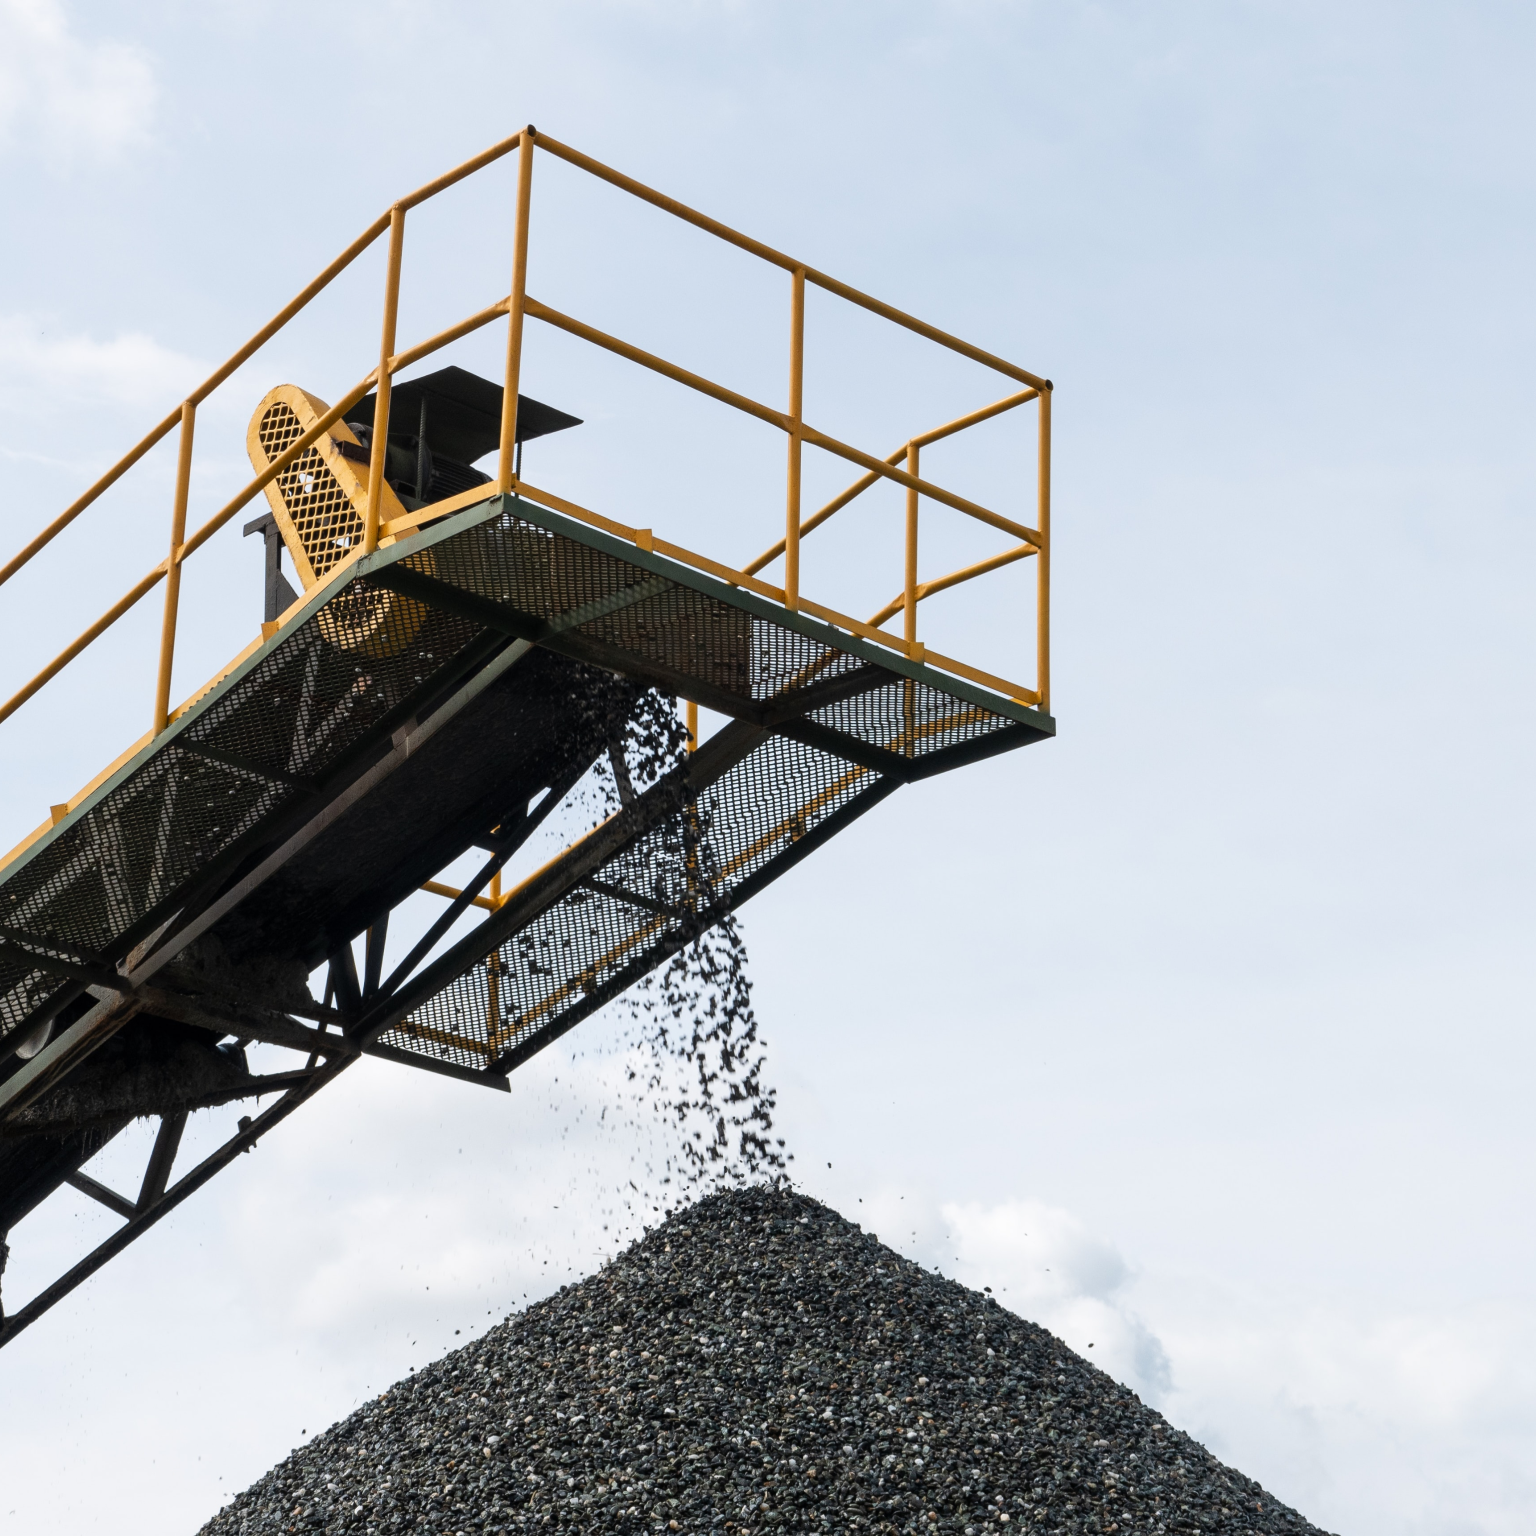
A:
{"x":463,"y":413}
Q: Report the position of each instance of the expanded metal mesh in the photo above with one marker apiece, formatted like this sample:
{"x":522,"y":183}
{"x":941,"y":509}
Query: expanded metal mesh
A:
{"x":783,"y":659}
{"x":323,"y":514}
{"x":277,"y":732}
{"x":516,"y":563}
{"x":909,"y":718}
{"x":23,"y":990}
{"x":639,"y":908}
{"x":332,"y":681}
{"x":654,"y":896}
{"x":274,"y":734}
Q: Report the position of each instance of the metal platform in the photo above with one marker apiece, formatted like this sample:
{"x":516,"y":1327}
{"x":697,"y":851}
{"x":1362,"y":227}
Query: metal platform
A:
{"x":451,"y":673}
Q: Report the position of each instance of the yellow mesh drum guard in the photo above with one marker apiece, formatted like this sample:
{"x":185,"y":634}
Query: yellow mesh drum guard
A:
{"x":320,"y":499}
{"x":318,"y":503}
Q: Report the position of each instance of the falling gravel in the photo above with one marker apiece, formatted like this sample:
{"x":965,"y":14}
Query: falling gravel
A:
{"x":757,"y":1364}
{"x":695,"y":1102}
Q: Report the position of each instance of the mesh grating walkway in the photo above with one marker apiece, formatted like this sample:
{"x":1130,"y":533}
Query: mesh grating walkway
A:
{"x":760,"y":816}
{"x":641,"y":907}
{"x":242,"y":769}
{"x":224,"y":782}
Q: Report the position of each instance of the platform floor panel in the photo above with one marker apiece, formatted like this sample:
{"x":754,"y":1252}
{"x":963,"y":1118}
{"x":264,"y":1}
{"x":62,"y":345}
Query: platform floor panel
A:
{"x":760,"y":818}
{"x":238,"y":770}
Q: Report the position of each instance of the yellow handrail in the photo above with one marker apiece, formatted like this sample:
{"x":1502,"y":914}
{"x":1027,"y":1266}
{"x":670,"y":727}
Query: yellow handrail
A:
{"x":198,"y":539}
{"x":816,"y":519}
{"x":517,"y":305}
{"x":198,"y":395}
{"x":776,"y":418}
{"x":864,"y":482}
{"x":254,"y":345}
{"x":941,"y":583}
{"x":789,"y":264}
{"x":173,"y":561}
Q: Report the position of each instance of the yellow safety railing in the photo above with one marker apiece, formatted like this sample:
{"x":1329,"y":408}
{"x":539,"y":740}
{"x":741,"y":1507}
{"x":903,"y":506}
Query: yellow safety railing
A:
{"x":901,"y":467}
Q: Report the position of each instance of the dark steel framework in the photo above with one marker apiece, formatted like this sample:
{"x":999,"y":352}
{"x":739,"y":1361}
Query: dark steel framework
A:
{"x":447,"y":695}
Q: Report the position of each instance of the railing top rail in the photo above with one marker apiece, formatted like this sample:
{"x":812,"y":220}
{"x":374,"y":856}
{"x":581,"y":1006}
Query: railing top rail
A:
{"x":802,"y":429}
{"x":788,"y":263}
{"x":865,"y":481}
{"x":468,"y":168}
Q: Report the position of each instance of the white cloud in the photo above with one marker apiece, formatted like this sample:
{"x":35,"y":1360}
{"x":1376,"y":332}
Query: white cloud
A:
{"x":1369,"y":1417}
{"x":67,"y":95}
{"x":56,"y":366}
{"x":1044,"y":1264}
{"x":1040,"y":1262}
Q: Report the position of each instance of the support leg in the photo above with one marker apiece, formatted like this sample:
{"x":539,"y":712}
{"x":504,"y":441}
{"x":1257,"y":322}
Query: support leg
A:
{"x":157,"y":1175}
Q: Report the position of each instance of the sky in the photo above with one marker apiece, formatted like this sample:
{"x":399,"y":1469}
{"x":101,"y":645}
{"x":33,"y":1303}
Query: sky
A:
{"x":1201,"y":1033}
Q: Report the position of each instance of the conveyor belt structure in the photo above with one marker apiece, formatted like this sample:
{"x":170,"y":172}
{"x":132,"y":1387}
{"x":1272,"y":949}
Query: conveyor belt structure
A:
{"x":437,"y":692}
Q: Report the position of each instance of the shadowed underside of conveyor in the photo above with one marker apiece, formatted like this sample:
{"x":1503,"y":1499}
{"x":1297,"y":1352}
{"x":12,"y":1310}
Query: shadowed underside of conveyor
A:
{"x":465,"y":652}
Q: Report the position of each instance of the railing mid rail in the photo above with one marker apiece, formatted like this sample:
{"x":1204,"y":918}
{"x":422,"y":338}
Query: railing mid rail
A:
{"x":902,"y":467}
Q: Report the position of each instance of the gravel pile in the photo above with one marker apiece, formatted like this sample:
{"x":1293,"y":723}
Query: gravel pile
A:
{"x":757,"y":1364}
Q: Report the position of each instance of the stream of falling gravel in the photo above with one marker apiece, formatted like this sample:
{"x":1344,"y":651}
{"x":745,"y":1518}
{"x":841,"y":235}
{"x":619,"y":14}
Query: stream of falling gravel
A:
{"x":754,"y":1364}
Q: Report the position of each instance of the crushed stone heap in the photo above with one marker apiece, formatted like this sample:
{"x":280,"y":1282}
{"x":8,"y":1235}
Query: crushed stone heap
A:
{"x":757,"y":1364}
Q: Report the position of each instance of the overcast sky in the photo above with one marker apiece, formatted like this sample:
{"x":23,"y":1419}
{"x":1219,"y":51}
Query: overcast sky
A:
{"x":1202,"y":1033}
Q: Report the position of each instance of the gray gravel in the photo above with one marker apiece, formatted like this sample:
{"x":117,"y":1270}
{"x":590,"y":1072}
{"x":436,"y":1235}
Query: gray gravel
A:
{"x":757,"y":1364}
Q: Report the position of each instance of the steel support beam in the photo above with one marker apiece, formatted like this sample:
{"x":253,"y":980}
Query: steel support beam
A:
{"x":188,"y":1184}
{"x":158,"y":1172}
{"x":99,"y":1192}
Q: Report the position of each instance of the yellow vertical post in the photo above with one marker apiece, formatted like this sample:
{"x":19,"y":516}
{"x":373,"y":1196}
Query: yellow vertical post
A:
{"x":911,"y":588}
{"x":691,"y":833}
{"x":378,"y":458}
{"x":493,"y":1003}
{"x":1043,"y":558}
{"x":796,"y":405}
{"x":173,"y":567}
{"x":515,"y":312}
{"x":493,"y":983}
